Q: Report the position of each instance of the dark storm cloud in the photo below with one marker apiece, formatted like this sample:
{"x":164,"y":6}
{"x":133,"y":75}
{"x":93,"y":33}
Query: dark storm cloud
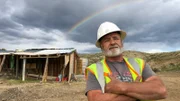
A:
{"x":13,"y":36}
{"x":3,"y":7}
{"x":147,"y":21}
{"x":7,"y":23}
{"x":34,"y":21}
{"x":57,"y":14}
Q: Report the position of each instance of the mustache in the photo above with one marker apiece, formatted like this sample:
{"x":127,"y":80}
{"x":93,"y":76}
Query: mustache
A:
{"x":114,"y":46}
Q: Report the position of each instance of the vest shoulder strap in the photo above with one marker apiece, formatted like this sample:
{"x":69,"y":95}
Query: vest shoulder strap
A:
{"x":100,"y":72}
{"x":135,"y":65}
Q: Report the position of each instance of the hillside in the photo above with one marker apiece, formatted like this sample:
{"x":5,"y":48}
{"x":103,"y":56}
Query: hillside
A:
{"x":158,"y":61}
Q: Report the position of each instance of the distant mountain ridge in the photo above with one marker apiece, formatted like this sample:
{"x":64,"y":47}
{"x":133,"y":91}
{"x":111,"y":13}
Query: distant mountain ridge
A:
{"x":157,"y":61}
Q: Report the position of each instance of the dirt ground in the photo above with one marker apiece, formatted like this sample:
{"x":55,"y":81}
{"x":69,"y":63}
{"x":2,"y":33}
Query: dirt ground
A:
{"x":55,"y":91}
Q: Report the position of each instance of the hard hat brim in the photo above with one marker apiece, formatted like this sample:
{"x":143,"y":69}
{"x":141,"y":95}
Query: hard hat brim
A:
{"x":122,"y":34}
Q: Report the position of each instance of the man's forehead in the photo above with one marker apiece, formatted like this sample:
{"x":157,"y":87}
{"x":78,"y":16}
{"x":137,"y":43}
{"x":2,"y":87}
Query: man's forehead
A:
{"x":112,"y":34}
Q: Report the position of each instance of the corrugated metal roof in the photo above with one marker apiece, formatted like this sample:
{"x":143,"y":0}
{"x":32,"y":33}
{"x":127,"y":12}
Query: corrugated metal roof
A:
{"x":4,"y":53}
{"x":45,"y":51}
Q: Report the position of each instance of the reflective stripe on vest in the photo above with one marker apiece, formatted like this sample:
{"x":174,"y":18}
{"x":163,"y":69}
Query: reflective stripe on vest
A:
{"x":135,"y":65}
{"x":101,"y":79}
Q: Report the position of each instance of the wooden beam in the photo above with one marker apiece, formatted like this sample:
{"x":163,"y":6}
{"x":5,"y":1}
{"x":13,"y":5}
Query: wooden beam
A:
{"x":36,"y":76}
{"x":24,"y":70}
{"x":38,"y":66}
{"x":71,"y":66}
{"x":0,"y":59}
{"x":17,"y":66}
{"x":2,"y":62}
{"x":45,"y":74}
{"x":66,"y":57}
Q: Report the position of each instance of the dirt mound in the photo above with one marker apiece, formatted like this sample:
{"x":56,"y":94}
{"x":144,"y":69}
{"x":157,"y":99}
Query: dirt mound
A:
{"x":44,"y":92}
{"x":12,"y":93}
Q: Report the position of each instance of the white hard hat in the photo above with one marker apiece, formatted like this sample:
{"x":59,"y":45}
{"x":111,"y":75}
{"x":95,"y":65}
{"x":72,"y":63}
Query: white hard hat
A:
{"x":106,"y":28}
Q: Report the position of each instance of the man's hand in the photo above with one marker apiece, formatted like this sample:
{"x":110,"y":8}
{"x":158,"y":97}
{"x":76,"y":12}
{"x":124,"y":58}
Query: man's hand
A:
{"x":138,"y":79}
{"x":114,"y":86}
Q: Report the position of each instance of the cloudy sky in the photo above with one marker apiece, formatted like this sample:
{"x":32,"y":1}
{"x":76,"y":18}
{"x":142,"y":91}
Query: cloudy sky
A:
{"x":151,"y":25}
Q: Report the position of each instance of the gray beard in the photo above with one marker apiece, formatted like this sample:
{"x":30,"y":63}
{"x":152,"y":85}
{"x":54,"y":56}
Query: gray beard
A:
{"x":114,"y":53}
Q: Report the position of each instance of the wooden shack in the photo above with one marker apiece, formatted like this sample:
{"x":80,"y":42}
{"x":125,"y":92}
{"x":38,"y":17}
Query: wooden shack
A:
{"x":45,"y":63}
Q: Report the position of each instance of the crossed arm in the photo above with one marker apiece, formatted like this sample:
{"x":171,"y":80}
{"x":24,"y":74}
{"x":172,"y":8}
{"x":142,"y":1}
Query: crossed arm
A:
{"x":151,"y":89}
{"x":97,"y":95}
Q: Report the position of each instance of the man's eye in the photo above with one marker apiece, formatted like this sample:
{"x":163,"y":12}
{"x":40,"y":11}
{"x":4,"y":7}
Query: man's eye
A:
{"x":116,"y":38}
{"x":106,"y":40}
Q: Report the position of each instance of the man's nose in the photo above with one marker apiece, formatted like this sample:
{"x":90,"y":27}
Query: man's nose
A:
{"x":112,"y":41}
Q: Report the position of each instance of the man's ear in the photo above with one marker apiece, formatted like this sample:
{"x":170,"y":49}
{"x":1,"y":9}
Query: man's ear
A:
{"x":101,"y":46}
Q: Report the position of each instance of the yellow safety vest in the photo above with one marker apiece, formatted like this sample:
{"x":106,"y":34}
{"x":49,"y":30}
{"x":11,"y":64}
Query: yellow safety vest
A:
{"x":135,"y":66}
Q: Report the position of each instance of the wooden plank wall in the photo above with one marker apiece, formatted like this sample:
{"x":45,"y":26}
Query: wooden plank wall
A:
{"x":55,"y":66}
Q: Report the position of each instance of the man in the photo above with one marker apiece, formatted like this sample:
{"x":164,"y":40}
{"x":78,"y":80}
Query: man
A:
{"x":117,"y":78}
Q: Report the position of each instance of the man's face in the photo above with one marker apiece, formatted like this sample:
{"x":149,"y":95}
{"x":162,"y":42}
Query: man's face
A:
{"x":111,"y":45}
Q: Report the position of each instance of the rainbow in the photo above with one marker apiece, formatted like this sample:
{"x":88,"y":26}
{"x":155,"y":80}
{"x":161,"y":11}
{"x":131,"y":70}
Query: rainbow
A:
{"x":74,"y":27}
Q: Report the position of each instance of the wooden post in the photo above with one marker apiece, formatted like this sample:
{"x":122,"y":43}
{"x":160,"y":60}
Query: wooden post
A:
{"x":65,"y":64}
{"x":17,"y":66}
{"x":71,"y":65}
{"x":24,"y":69}
{"x":2,"y":62}
{"x":52,"y":69}
{"x":38,"y":67}
{"x":45,"y":74}
{"x":0,"y":59}
{"x":75,"y":65}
